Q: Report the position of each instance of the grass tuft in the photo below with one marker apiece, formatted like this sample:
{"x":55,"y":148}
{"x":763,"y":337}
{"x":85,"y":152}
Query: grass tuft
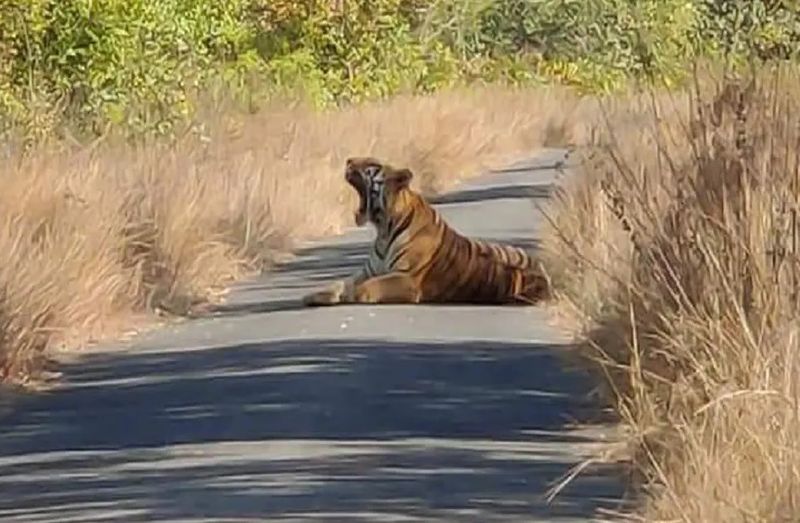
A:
{"x":677,"y":246}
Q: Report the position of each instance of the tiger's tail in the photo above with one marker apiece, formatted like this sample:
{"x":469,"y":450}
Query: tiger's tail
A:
{"x":536,"y":285}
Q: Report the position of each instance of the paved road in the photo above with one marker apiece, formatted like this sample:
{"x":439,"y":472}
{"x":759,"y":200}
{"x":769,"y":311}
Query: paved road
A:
{"x":271,"y":412}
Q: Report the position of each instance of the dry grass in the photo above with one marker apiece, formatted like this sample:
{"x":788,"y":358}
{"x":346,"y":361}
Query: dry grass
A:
{"x":93,"y":238}
{"x":678,"y":245}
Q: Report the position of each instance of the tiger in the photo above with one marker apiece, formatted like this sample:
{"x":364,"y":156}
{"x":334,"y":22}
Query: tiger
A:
{"x":417,"y":257}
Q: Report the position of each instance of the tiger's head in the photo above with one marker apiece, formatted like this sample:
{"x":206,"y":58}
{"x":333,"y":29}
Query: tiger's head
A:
{"x":378,"y":186}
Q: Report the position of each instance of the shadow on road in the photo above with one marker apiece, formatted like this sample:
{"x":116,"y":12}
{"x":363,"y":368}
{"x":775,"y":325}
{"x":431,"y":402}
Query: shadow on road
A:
{"x":419,"y":429}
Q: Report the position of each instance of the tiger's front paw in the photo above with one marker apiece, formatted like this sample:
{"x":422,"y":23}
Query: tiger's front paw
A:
{"x":319,"y":298}
{"x":330,"y":296}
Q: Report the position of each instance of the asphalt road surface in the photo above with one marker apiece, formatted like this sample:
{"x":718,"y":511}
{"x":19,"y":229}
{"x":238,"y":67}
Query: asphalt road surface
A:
{"x":271,"y":412}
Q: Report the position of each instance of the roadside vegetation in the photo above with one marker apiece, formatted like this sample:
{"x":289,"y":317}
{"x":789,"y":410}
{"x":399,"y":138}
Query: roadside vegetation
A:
{"x":154,"y":151}
{"x":677,"y":253}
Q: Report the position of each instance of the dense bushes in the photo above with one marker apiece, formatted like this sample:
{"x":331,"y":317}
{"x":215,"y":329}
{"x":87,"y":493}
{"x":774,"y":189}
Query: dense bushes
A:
{"x":143,"y":64}
{"x":132,"y":63}
{"x":588,"y":43}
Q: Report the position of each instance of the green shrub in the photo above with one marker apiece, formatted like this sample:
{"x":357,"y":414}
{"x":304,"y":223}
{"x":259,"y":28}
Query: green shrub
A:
{"x":104,"y":61}
{"x":367,"y":50}
{"x":142,"y":65}
{"x":743,"y":29}
{"x":593,"y":44}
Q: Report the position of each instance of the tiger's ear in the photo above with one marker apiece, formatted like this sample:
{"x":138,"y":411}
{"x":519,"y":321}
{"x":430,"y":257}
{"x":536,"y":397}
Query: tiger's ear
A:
{"x":401,"y":178}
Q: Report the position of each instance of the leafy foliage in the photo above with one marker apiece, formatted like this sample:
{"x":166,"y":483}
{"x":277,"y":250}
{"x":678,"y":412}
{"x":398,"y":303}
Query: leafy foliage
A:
{"x":763,"y":29}
{"x":105,"y":61}
{"x":141,"y":64}
{"x":593,"y":44}
{"x":367,"y":49}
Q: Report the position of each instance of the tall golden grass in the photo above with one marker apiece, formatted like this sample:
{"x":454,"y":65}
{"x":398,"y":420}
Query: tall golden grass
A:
{"x":678,"y":243}
{"x":95,"y":237}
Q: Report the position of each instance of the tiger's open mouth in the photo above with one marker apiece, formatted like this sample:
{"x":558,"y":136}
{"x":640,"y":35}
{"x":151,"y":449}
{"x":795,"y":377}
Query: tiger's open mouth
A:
{"x":356,"y":180}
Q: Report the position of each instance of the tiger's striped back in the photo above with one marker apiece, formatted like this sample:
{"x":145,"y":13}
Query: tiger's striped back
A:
{"x":448,"y":266}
